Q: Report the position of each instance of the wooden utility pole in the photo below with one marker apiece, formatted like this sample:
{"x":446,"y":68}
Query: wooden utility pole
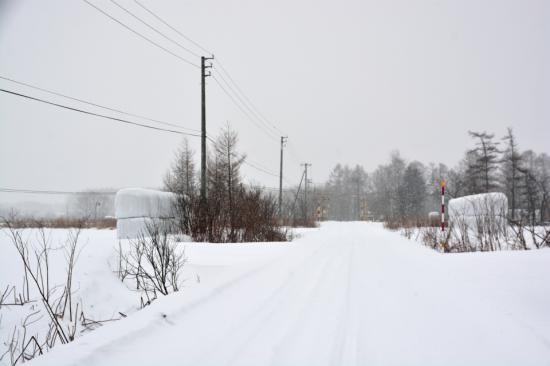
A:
{"x":296,"y":199}
{"x":306,"y":182}
{"x":283,"y":141}
{"x":204,"y":75}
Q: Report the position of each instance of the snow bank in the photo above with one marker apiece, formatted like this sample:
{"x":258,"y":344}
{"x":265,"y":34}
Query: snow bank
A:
{"x":136,"y":208}
{"x":97,"y":290}
{"x":337,"y":296}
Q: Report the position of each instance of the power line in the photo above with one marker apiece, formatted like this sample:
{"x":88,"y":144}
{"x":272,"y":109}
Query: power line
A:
{"x":259,"y":168}
{"x":242,"y":110}
{"x":243,"y":102}
{"x":237,"y":91}
{"x":97,"y":114}
{"x":155,"y":29}
{"x":224,"y":70}
{"x":97,"y":105}
{"x":141,"y":35}
{"x":293,"y":152}
{"x":54,"y":192}
{"x":171,"y":27}
{"x":273,"y":189}
{"x":258,"y":164}
{"x":254,"y":164}
{"x":253,"y":109}
{"x":34,"y":191}
{"x":9,"y":190}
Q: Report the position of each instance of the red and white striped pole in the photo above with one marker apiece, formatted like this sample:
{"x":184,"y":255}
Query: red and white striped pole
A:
{"x":443,"y":205}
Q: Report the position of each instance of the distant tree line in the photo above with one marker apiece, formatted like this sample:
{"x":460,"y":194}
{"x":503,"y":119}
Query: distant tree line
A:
{"x":401,"y":190}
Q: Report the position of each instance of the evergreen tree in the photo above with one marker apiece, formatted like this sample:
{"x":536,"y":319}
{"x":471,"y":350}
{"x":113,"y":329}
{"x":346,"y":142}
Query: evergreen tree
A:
{"x":358,"y":182}
{"x":511,"y":176}
{"x":484,"y":166}
{"x":396,"y":190}
{"x":414,"y":193}
{"x":181,"y":177}
{"x":346,"y":191}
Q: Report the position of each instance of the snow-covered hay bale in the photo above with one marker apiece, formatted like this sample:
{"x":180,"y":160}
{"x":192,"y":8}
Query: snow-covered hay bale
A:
{"x":133,"y":228}
{"x":494,"y":203}
{"x":487,"y":209}
{"x":136,"y":209}
{"x":139,"y":202}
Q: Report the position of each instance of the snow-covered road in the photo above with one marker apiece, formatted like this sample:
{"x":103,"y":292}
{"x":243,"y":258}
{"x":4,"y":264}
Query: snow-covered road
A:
{"x":346,"y":294}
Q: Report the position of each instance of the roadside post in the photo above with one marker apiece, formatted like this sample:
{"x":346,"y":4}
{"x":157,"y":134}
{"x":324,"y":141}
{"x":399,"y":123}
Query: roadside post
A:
{"x":443,"y":183}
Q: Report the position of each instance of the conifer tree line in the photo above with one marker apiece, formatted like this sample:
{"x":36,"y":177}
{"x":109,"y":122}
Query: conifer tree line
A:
{"x":401,"y":190}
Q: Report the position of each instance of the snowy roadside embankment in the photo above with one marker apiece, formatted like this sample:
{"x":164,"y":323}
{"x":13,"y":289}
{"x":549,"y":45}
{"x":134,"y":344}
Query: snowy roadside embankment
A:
{"x":347,"y":294}
{"x":101,"y":296}
{"x":463,"y":237}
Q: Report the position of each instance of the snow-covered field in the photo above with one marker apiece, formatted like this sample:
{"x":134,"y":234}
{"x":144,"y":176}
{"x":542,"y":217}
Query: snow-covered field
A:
{"x":344,"y":294}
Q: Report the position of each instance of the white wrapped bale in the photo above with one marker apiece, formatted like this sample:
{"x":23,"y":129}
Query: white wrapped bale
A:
{"x":487,"y":209}
{"x":136,"y":227}
{"x":138,"y":208}
{"x":494,"y":203}
{"x":139,"y":202}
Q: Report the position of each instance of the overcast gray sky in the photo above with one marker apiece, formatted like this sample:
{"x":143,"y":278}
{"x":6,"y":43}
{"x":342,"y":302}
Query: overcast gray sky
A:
{"x":348,"y":81}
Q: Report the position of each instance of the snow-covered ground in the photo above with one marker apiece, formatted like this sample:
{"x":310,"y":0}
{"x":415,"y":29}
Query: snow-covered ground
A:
{"x":97,"y":289}
{"x":344,"y":294}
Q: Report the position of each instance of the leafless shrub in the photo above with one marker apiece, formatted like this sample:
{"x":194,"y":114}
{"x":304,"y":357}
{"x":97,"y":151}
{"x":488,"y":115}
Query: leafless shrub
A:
{"x":58,"y":306}
{"x":62,"y":223}
{"x":10,"y":297}
{"x":229,"y":211}
{"x":91,"y":324}
{"x":437,"y":239}
{"x":430,"y":237}
{"x":21,"y":348}
{"x":300,"y":222}
{"x":214,"y":222}
{"x":477,"y":232}
{"x":539,"y":235}
{"x":36,"y":276}
{"x":153,"y":261}
{"x":476,"y":225}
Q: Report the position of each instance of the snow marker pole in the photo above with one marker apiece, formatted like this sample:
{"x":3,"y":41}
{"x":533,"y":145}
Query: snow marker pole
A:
{"x":443,"y":205}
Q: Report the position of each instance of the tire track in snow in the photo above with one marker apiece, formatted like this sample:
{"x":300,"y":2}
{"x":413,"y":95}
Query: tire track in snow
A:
{"x":255,"y":320}
{"x":274,"y":319}
{"x":305,"y":338}
{"x":344,"y":335}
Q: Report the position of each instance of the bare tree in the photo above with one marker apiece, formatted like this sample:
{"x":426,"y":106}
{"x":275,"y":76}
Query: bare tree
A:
{"x":228,"y":164}
{"x":153,"y":261}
